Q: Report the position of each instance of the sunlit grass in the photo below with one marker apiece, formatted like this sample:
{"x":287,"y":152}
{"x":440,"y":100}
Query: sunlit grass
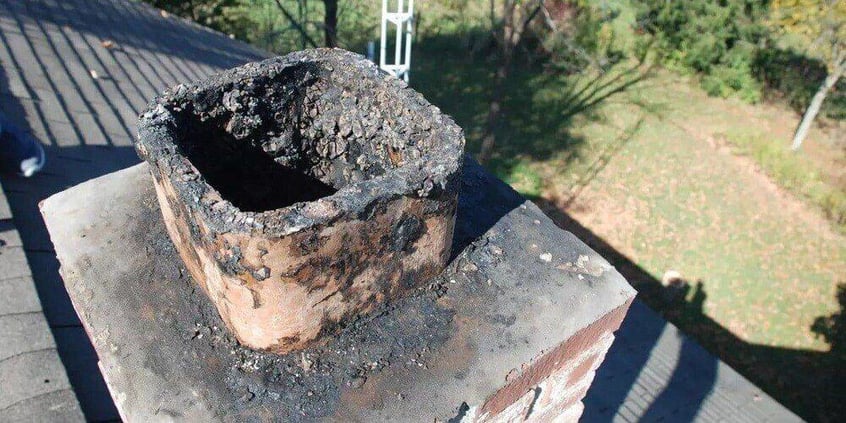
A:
{"x":648,"y":167}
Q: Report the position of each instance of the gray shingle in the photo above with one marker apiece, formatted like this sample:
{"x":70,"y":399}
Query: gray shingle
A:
{"x":5,"y":211}
{"x":22,"y":333}
{"x":30,"y":375}
{"x":18,"y":296}
{"x":56,"y":406}
{"x":13,"y":263}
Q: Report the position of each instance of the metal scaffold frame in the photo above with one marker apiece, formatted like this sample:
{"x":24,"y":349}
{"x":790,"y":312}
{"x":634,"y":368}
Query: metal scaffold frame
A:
{"x":403,"y":18}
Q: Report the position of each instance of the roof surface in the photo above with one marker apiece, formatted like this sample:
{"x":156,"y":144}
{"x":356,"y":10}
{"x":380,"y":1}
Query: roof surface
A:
{"x":76,"y":73}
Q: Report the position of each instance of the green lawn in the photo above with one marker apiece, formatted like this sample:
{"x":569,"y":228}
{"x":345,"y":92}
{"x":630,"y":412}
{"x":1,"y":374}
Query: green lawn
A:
{"x":649,"y":164}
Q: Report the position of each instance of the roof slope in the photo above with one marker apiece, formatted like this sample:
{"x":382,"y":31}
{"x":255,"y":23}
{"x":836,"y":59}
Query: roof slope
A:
{"x":75,"y":73}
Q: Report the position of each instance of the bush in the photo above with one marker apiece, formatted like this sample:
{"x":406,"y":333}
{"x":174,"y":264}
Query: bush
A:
{"x":215,"y":14}
{"x":715,"y":38}
{"x":589,"y":34}
{"x":796,"y":78}
{"x":727,"y":80}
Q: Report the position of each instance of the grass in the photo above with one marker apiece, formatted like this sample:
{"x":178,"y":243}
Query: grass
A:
{"x":794,"y":172}
{"x":647,"y":161}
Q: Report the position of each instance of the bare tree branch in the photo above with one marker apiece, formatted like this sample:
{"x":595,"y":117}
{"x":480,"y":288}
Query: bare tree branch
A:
{"x":295,"y":24}
{"x":508,"y":37}
{"x":531,"y":17}
{"x":568,"y":41}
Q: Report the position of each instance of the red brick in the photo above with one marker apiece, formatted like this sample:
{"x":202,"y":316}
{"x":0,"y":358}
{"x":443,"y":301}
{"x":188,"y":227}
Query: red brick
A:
{"x":548,"y":364}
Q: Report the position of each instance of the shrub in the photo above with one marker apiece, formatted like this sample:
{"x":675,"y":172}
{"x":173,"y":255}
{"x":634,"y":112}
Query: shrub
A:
{"x":727,"y":80}
{"x":796,"y":78}
{"x":589,"y":34}
{"x":215,"y":14}
{"x":715,"y":38}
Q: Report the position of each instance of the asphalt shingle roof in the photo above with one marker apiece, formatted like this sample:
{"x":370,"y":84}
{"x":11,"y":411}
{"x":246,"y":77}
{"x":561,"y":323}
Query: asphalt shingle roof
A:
{"x":75,"y":74}
{"x":50,"y":53}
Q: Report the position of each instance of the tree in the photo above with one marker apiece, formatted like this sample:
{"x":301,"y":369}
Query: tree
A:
{"x":223,"y":15}
{"x":824,"y":21}
{"x":330,"y":23}
{"x":297,"y":24}
{"x":508,"y":28}
{"x":216,"y":14}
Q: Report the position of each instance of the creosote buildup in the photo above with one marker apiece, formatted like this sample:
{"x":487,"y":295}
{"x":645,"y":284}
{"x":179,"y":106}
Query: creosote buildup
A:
{"x":303,"y":190}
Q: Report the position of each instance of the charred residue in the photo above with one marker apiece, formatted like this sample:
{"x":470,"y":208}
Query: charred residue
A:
{"x":317,"y":186}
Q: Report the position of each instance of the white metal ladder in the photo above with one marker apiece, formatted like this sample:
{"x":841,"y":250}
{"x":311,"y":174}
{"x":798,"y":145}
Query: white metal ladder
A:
{"x":403,"y":19}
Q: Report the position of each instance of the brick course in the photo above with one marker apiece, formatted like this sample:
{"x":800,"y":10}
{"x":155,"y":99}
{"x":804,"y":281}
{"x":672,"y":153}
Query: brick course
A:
{"x":552,"y":387}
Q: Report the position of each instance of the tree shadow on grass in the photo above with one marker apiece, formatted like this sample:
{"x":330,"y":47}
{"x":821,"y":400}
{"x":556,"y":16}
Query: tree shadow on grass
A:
{"x":810,"y":383}
{"x":540,"y":102}
{"x":540,"y":106}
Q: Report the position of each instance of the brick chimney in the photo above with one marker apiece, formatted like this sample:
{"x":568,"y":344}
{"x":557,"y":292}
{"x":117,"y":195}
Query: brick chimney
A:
{"x":317,"y":202}
{"x":303,"y":190}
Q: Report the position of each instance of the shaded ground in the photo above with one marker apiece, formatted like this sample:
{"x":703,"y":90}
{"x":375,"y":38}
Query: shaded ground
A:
{"x":642,"y":159}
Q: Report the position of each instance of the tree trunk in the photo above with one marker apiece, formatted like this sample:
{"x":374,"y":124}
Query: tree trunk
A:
{"x":330,"y":23}
{"x":508,"y":38}
{"x":302,"y":7}
{"x":816,"y":104}
{"x":494,"y":110}
{"x":294,"y":23}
